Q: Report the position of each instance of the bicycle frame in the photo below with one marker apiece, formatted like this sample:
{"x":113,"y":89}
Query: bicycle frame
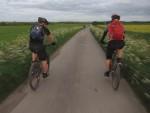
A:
{"x":115,"y":71}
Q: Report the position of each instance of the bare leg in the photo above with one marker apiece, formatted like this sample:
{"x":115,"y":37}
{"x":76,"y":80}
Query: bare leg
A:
{"x":34,"y":56}
{"x":120,"y":53}
{"x":45,"y":66}
{"x":109,"y":64}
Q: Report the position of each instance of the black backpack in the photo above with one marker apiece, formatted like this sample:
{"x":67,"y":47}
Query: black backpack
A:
{"x":37,"y":32}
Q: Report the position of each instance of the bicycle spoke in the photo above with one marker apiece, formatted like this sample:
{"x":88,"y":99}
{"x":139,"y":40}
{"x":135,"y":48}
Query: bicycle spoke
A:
{"x":116,"y":78}
{"x":34,"y":75}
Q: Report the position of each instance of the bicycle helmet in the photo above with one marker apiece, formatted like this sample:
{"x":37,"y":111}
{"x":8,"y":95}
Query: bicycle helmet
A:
{"x":115,"y":16}
{"x":42,"y":20}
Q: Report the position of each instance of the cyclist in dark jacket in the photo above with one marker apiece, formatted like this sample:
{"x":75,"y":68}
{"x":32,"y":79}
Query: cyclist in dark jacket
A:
{"x":36,"y":44}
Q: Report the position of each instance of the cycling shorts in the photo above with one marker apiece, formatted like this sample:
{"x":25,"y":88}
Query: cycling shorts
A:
{"x":39,"y":49}
{"x":112,"y":46}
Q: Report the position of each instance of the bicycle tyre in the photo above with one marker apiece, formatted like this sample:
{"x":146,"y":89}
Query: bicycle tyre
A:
{"x":116,"y":77}
{"x":34,"y":82}
{"x":34,"y":77}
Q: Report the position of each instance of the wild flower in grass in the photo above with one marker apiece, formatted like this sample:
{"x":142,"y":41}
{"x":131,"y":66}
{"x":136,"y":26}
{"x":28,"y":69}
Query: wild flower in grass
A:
{"x":147,"y":95}
{"x":146,"y":81}
{"x":1,"y":53}
{"x":14,"y":49}
{"x":96,"y":32}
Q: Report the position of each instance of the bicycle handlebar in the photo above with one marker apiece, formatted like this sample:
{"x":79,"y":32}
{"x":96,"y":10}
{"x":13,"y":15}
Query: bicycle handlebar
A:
{"x":52,"y":44}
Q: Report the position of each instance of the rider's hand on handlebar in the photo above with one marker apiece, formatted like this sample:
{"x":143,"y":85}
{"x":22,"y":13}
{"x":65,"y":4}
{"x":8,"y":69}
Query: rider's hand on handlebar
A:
{"x":102,"y":41}
{"x":53,"y":43}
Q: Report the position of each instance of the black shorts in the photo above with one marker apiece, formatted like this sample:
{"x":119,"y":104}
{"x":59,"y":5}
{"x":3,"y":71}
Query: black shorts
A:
{"x":112,"y":46}
{"x":39,"y":49}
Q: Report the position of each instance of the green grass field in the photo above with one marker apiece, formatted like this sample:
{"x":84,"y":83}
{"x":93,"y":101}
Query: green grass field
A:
{"x":9,"y":33}
{"x":136,"y":58}
{"x":15,"y":56}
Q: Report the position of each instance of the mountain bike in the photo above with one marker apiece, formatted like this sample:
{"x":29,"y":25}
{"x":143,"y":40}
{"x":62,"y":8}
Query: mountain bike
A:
{"x":35,"y":73}
{"x":115,"y":72}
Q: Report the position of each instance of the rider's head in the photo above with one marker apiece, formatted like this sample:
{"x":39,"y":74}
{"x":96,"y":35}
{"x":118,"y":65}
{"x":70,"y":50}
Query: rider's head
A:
{"x":42,"y":21}
{"x":115,"y":16}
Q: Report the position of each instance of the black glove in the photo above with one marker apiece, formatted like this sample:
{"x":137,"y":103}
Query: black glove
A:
{"x":53,"y":43}
{"x":102,"y":41}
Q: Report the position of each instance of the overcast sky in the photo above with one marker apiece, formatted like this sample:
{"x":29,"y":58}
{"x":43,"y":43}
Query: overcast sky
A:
{"x":74,"y":10}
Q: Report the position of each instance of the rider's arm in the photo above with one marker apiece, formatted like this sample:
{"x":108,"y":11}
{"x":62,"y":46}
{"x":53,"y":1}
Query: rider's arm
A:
{"x":50,"y":39}
{"x":49,"y":35}
{"x":104,"y":35}
{"x":124,"y":35}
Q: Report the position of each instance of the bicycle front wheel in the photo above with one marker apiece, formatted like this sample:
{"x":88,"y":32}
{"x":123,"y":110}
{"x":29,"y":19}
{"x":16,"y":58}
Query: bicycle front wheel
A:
{"x":34,"y":82}
{"x":34,"y":77}
{"x":116,"y":77}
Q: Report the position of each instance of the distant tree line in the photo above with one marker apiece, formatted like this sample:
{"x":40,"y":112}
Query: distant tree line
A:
{"x":15,"y":23}
{"x":131,"y":22}
{"x":94,"y":23}
{"x":29,"y":23}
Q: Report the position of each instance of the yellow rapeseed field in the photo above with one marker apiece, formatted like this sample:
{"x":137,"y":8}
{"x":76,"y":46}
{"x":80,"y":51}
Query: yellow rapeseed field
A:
{"x":138,"y":28}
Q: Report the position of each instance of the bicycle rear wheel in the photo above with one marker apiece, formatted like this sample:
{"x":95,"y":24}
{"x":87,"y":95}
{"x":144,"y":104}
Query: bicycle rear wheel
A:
{"x":34,"y":76}
{"x":116,"y":77}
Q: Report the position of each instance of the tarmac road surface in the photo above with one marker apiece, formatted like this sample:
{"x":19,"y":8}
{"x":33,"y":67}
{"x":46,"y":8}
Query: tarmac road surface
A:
{"x":77,"y":84}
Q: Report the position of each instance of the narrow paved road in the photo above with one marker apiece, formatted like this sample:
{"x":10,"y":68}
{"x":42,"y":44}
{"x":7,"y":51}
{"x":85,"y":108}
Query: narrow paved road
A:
{"x":77,"y":84}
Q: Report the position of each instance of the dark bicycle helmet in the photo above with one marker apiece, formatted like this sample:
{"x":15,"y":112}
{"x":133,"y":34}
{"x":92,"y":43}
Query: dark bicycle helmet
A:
{"x":115,"y":16}
{"x":42,"y":20}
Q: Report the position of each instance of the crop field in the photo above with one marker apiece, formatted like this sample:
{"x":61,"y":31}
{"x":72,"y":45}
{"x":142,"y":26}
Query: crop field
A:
{"x":15,"y":56}
{"x":136,"y":58}
{"x":138,"y":28}
{"x":9,"y":33}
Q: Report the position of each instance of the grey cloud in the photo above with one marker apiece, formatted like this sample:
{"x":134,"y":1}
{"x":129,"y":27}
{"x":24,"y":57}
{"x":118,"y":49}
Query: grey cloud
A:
{"x":90,"y":8}
{"x":93,"y":7}
{"x":133,"y":9}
